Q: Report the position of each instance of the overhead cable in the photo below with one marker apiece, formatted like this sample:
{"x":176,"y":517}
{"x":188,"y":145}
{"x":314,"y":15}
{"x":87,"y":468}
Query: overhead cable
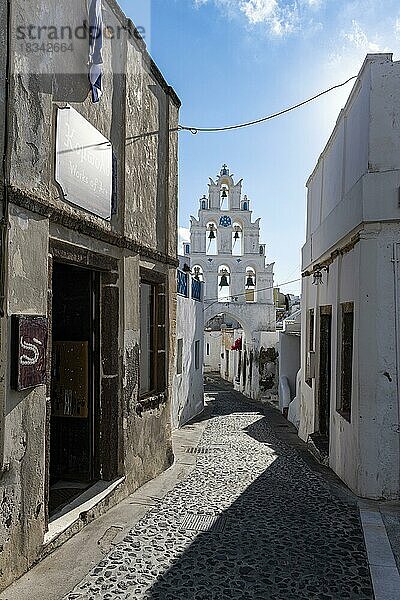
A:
{"x":216,"y":300}
{"x":195,"y":130}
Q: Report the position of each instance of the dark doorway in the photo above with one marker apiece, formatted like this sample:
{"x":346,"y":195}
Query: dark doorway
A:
{"x":324,"y":392}
{"x":74,"y":383}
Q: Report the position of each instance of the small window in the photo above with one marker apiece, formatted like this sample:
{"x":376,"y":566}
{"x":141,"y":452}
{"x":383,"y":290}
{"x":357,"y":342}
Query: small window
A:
{"x":179,"y":360}
{"x":311,"y":330}
{"x":310,"y":343}
{"x":197,"y":354}
{"x":152,"y":338}
{"x":346,"y":359}
{"x":208,"y":350}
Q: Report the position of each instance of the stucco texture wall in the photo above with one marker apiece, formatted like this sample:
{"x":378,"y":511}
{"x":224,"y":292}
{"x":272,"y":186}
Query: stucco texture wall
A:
{"x":353,"y":231}
{"x":22,"y":510}
{"x":136,"y":113}
{"x":188,"y":388}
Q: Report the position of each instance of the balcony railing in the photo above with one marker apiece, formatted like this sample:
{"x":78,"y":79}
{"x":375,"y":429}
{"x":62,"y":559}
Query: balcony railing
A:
{"x":183,"y":283}
{"x":197,"y":290}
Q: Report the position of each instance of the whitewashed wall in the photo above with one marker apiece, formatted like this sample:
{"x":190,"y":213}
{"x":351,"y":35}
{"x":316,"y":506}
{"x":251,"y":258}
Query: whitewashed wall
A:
{"x":212,"y":360}
{"x":188,"y":387}
{"x":353,"y":197}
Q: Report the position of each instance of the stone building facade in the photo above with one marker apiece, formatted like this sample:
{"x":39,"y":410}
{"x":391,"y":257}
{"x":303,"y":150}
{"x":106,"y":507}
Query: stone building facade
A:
{"x":87,"y":290}
{"x":348,"y":394}
{"x":225,"y":251}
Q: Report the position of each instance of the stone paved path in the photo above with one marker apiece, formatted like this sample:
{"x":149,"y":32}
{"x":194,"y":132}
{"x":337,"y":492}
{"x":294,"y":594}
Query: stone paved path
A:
{"x":275,"y":531}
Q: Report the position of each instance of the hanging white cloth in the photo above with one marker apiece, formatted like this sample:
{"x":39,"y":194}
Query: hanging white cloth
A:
{"x":96,"y":48}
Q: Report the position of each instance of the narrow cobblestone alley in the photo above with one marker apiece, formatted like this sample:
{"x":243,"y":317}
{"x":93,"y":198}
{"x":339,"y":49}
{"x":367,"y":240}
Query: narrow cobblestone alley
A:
{"x":252,"y":521}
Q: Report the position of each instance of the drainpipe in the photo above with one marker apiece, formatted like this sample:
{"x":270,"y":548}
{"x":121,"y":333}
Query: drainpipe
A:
{"x":4,"y":223}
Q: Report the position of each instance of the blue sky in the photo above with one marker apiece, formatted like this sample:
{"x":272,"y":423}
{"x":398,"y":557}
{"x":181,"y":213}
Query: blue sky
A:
{"x":235,"y":60}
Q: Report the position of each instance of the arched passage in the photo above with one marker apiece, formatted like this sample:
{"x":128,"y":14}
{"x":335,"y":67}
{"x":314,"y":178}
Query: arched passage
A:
{"x":224,"y":340}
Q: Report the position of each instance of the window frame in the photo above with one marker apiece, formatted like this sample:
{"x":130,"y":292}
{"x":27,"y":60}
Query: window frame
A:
{"x":310,"y":339}
{"x":197,"y":355}
{"x":158,"y":362}
{"x":346,"y":362}
{"x":179,"y":356}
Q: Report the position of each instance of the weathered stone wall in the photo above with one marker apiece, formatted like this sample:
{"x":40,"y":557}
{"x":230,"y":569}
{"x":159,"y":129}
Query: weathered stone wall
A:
{"x":139,"y":114}
{"x":22,"y":510}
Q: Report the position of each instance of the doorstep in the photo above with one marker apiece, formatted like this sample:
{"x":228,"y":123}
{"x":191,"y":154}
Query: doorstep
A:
{"x":72,"y":512}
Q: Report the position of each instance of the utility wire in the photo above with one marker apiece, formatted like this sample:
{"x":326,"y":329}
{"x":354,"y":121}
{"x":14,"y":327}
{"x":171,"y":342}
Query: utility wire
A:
{"x":195,"y":130}
{"x":244,"y":293}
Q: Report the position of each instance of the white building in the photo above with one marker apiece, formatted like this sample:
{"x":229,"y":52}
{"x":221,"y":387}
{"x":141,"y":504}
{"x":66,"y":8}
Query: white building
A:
{"x":226,"y":252}
{"x":289,"y":359}
{"x":188,"y":387}
{"x":350,"y":317}
{"x":212,"y":351}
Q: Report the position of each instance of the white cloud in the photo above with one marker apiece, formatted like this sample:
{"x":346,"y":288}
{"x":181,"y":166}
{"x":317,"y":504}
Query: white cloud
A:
{"x":183,"y":237}
{"x":314,"y":3}
{"x":353,"y":43}
{"x":280,"y":20}
{"x":258,"y":11}
{"x":280,"y":17}
{"x":397,"y":27}
{"x":358,"y":38}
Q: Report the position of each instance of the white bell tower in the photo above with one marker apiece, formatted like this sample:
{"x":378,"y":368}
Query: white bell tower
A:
{"x":226,"y":253}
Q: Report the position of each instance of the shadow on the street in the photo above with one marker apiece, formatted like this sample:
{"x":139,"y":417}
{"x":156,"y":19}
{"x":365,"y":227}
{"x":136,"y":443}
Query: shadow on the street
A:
{"x":216,"y":391}
{"x":286,"y":537}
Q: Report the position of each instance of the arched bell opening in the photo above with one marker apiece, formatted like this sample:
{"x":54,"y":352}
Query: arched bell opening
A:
{"x":237,"y":240}
{"x":224,"y":284}
{"x":250,"y":285}
{"x":211,"y":239}
{"x":224,"y":197}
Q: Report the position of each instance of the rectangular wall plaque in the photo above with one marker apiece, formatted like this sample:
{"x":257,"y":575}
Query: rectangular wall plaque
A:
{"x":84,"y":163}
{"x":29,"y":351}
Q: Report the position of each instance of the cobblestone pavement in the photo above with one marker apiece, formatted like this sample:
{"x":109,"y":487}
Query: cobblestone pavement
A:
{"x":270,"y":528}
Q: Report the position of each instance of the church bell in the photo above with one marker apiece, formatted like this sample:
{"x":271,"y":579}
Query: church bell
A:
{"x":224,"y":193}
{"x":224,"y":281}
{"x":250,"y":282}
